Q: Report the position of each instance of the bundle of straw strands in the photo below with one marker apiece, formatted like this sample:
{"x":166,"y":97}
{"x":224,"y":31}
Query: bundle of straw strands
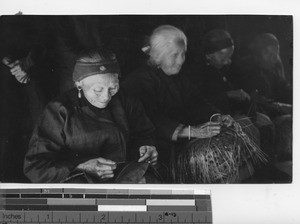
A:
{"x":219,"y":158}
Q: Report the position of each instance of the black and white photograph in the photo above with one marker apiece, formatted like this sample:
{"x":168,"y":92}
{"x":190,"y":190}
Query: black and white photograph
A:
{"x":146,"y":98}
{"x":174,"y":97}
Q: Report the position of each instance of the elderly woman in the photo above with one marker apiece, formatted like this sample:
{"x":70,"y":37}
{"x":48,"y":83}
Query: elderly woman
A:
{"x":262,"y":71}
{"x":233,"y":87}
{"x":213,"y":74}
{"x":91,"y":130}
{"x":176,"y":108}
{"x":219,"y":84}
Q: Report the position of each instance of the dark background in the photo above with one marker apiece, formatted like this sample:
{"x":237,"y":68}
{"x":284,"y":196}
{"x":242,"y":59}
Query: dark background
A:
{"x":64,"y":37}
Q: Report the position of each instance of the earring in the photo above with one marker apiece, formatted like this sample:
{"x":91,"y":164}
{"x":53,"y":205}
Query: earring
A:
{"x":79,"y":91}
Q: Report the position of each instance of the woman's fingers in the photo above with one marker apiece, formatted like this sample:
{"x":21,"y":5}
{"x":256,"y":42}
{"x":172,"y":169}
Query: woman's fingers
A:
{"x":153,"y":157}
{"x":144,"y":158}
{"x":227,"y":120}
{"x":22,"y":78}
{"x":210,"y":123}
{"x":213,"y":127}
{"x":148,"y":154}
{"x":7,"y":61}
{"x":15,"y":69}
{"x":104,"y":167}
{"x":106,"y":176}
{"x":105,"y":172}
{"x":206,"y":131}
{"x":105,"y":161}
{"x":153,"y":161}
{"x":144,"y":154}
{"x":100,"y":167}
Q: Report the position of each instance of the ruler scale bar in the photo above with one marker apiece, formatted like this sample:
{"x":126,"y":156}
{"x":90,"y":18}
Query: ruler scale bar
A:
{"x":109,"y":217}
{"x":121,"y":202}
{"x":163,"y":202}
{"x":123,"y":208}
{"x":38,"y":201}
{"x":72,"y":201}
{"x":77,"y":205}
{"x":52,"y":207}
{"x":104,"y":196}
{"x":74,"y":196}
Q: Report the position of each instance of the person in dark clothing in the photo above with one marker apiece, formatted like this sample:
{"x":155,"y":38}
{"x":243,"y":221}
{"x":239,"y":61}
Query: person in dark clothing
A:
{"x":213,"y":77}
{"x":176,"y":108}
{"x":226,"y":86}
{"x":219,"y":79}
{"x":25,"y":78}
{"x":262,"y":72}
{"x":90,"y":130}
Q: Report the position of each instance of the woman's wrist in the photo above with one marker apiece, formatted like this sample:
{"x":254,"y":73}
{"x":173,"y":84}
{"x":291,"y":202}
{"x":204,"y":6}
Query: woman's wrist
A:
{"x":185,"y":132}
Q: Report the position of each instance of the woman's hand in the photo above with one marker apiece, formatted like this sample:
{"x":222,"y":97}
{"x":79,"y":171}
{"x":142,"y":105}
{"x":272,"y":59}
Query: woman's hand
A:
{"x":100,"y":167}
{"x":17,"y":70}
{"x":226,"y":120}
{"x":148,"y":154}
{"x":205,"y":130}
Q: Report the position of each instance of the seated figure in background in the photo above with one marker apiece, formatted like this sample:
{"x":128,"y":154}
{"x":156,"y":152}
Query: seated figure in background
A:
{"x":174,"y":105}
{"x":262,"y":74}
{"x":212,"y":76}
{"x":26,"y":85}
{"x":219,"y":81}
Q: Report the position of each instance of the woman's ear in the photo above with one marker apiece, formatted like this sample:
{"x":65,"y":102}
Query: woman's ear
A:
{"x":78,"y":85}
{"x":79,"y":88}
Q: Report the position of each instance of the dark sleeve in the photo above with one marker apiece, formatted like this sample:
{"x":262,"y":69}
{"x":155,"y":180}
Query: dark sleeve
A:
{"x":47,"y":159}
{"x":142,"y":131}
{"x":199,"y":108}
{"x":285,"y":91}
{"x":144,"y":86}
{"x":275,"y":88}
{"x":216,"y":95}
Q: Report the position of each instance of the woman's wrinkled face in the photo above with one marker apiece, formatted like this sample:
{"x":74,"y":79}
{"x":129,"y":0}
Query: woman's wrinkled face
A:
{"x":173,"y":60}
{"x":220,"y":58}
{"x":99,"y":89}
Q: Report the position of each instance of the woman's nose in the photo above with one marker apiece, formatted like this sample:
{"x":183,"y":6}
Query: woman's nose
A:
{"x":180,"y":59}
{"x":105,"y":95}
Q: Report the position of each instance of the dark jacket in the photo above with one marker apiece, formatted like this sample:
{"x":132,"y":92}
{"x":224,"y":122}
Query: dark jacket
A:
{"x":214,"y":84}
{"x":168,"y":100}
{"x":267,"y":86}
{"x":270,"y":83}
{"x":71,"y":131}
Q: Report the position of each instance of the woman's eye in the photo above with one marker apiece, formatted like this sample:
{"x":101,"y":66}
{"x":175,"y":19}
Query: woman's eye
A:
{"x":113,"y":90}
{"x":97,"y":90}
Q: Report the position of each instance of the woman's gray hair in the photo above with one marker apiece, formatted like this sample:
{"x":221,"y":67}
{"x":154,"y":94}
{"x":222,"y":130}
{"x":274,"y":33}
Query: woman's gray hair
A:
{"x":162,"y":39}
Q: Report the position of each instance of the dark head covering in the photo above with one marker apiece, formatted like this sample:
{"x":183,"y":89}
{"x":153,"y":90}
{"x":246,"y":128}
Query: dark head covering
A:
{"x":262,"y":41}
{"x":95,"y":63}
{"x":216,"y":40}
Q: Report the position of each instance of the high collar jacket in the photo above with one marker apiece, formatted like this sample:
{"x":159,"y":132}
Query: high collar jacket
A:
{"x":168,"y":100}
{"x":70,"y":132}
